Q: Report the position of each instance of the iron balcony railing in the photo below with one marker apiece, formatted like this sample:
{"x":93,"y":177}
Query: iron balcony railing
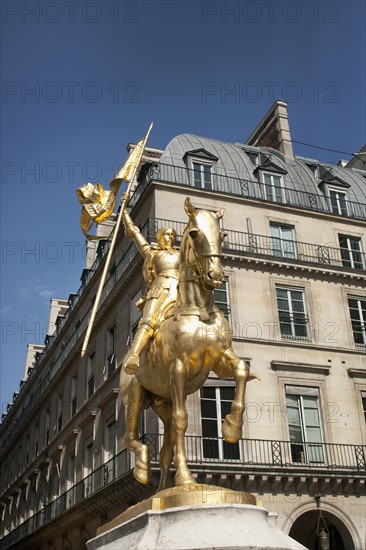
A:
{"x":267,"y":453}
{"x":206,"y":452}
{"x":249,"y":244}
{"x":243,"y":187}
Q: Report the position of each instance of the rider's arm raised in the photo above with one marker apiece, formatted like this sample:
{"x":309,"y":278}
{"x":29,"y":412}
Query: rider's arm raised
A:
{"x":133,"y":232}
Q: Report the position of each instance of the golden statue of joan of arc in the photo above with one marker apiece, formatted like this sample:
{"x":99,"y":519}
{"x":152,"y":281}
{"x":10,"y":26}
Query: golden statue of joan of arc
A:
{"x":161,"y":274}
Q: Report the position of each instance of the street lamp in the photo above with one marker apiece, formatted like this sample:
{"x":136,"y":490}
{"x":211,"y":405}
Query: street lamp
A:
{"x":322,"y":529}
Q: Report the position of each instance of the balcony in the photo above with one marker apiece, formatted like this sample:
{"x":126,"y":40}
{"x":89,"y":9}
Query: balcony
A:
{"x":252,"y":189}
{"x":251,"y":464}
{"x":251,"y":244}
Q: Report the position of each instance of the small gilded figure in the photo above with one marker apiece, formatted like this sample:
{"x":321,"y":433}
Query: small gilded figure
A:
{"x":161,"y":274}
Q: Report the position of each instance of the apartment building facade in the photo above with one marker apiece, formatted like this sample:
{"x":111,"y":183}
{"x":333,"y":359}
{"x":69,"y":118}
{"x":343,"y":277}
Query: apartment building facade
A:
{"x":295,"y":297}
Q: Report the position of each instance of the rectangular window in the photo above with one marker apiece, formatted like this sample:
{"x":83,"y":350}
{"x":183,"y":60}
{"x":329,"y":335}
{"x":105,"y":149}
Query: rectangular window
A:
{"x":74,"y":395}
{"x":215,"y":405}
{"x":357,"y":309}
{"x":283,"y":241}
{"x":351,"y":251}
{"x":111,"y":350}
{"x":202,"y":174}
{"x":363,"y":396}
{"x":71,"y":478}
{"x":59,"y":413}
{"x":110,"y":451}
{"x":292,"y":314}
{"x":222,"y":299}
{"x":88,"y":467}
{"x":36,"y":439}
{"x":135,"y":314}
{"x":338,"y":202}
{"x":71,"y":470}
{"x":91,"y":375}
{"x":273,"y":187}
{"x":304,"y":424}
{"x":47,"y":428}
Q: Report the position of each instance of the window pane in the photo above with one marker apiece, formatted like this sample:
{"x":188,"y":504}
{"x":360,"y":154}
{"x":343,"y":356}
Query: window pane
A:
{"x":209,"y":409}
{"x":210,"y":448}
{"x":227,"y":393}
{"x":209,"y":428}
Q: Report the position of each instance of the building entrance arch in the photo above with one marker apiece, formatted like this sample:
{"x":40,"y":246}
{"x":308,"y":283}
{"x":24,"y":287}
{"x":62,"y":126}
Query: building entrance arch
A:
{"x":304,"y":528}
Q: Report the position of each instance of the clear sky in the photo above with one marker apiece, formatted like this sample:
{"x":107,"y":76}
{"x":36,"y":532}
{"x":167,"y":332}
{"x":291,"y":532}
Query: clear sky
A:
{"x":82,"y":79}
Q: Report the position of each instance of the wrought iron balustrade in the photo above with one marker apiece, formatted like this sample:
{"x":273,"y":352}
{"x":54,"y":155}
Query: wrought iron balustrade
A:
{"x":247,"y":455}
{"x":257,"y":453}
{"x":249,"y":244}
{"x":243,"y":187}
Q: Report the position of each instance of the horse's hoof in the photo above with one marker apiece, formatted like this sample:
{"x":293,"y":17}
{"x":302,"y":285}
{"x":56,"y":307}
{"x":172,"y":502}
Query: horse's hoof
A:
{"x":184,"y":478}
{"x":142,"y":470}
{"x":231,"y":430}
{"x":142,"y":473}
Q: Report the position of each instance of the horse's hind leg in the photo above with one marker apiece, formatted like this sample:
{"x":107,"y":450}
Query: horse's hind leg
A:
{"x":232,"y":366}
{"x":135,"y":401}
{"x":164,"y":409}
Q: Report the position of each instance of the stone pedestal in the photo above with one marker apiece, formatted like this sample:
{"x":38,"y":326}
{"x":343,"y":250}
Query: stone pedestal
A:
{"x":198,"y":517}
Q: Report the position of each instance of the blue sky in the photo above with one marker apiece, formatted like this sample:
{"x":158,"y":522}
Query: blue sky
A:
{"x":80,"y":80}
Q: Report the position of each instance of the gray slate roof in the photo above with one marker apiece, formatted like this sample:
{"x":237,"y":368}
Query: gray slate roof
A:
{"x":233,"y":161}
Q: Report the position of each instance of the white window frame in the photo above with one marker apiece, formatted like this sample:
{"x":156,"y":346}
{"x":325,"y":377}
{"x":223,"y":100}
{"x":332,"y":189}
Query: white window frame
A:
{"x":201,"y":163}
{"x":111,"y":350}
{"x":90,"y":374}
{"x":109,"y":454}
{"x":283,"y":242}
{"x":74,"y":395}
{"x":88,"y":468}
{"x":292,"y":313}
{"x":273,"y":187}
{"x":135,"y":315}
{"x":351,"y":252}
{"x":338,"y":202}
{"x":220,"y":441}
{"x":311,"y":449}
{"x":361,"y":320}
{"x":226,"y":310}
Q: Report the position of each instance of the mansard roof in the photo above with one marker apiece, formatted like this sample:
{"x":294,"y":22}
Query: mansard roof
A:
{"x":233,"y":160}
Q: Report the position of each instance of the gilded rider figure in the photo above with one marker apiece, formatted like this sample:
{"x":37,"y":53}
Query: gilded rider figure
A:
{"x":161,"y":276}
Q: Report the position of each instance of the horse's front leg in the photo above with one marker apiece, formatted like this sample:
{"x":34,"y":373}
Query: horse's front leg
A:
{"x":135,"y":400}
{"x":180,"y":422}
{"x":231,"y":366}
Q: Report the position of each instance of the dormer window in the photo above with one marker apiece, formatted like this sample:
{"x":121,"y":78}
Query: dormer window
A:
{"x":273,"y":187}
{"x":271,"y":174}
{"x":202,"y":174}
{"x":201,"y":164}
{"x":335,"y":189}
{"x":338,"y":202}
{"x":253,"y":157}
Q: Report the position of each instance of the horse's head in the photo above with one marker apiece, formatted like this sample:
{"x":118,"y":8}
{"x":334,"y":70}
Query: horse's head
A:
{"x":204,"y":238}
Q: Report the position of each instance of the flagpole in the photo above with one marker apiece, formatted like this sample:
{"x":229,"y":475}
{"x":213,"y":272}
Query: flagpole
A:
{"x":111,"y":248}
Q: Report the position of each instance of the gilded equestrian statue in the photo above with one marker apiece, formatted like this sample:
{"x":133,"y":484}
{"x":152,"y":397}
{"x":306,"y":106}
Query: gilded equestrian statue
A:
{"x":181,"y":350}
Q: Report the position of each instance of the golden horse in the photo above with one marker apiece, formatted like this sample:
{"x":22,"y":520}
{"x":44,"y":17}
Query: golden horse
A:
{"x":194,"y":340}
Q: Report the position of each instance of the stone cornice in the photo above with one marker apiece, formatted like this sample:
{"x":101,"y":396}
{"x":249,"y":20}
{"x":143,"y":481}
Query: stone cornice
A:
{"x":356,"y":373}
{"x":317,"y":270}
{"x":300,"y":367}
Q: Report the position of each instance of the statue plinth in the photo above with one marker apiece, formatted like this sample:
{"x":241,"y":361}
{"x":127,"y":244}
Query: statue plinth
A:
{"x":193,"y":517}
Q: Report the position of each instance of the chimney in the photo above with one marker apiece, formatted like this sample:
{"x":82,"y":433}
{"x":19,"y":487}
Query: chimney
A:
{"x":273,"y":130}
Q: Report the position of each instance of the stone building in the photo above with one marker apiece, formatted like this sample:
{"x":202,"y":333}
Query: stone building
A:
{"x":295,"y":297}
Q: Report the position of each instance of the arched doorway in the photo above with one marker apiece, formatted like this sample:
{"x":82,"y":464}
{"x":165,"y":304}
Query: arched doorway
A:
{"x":304,"y":531}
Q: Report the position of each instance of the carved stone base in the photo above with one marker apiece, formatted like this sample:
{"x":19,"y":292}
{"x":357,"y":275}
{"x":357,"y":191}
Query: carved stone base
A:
{"x":194,"y":517}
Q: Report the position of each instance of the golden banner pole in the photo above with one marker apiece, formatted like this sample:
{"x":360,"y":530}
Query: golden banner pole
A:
{"x":111,"y":248}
